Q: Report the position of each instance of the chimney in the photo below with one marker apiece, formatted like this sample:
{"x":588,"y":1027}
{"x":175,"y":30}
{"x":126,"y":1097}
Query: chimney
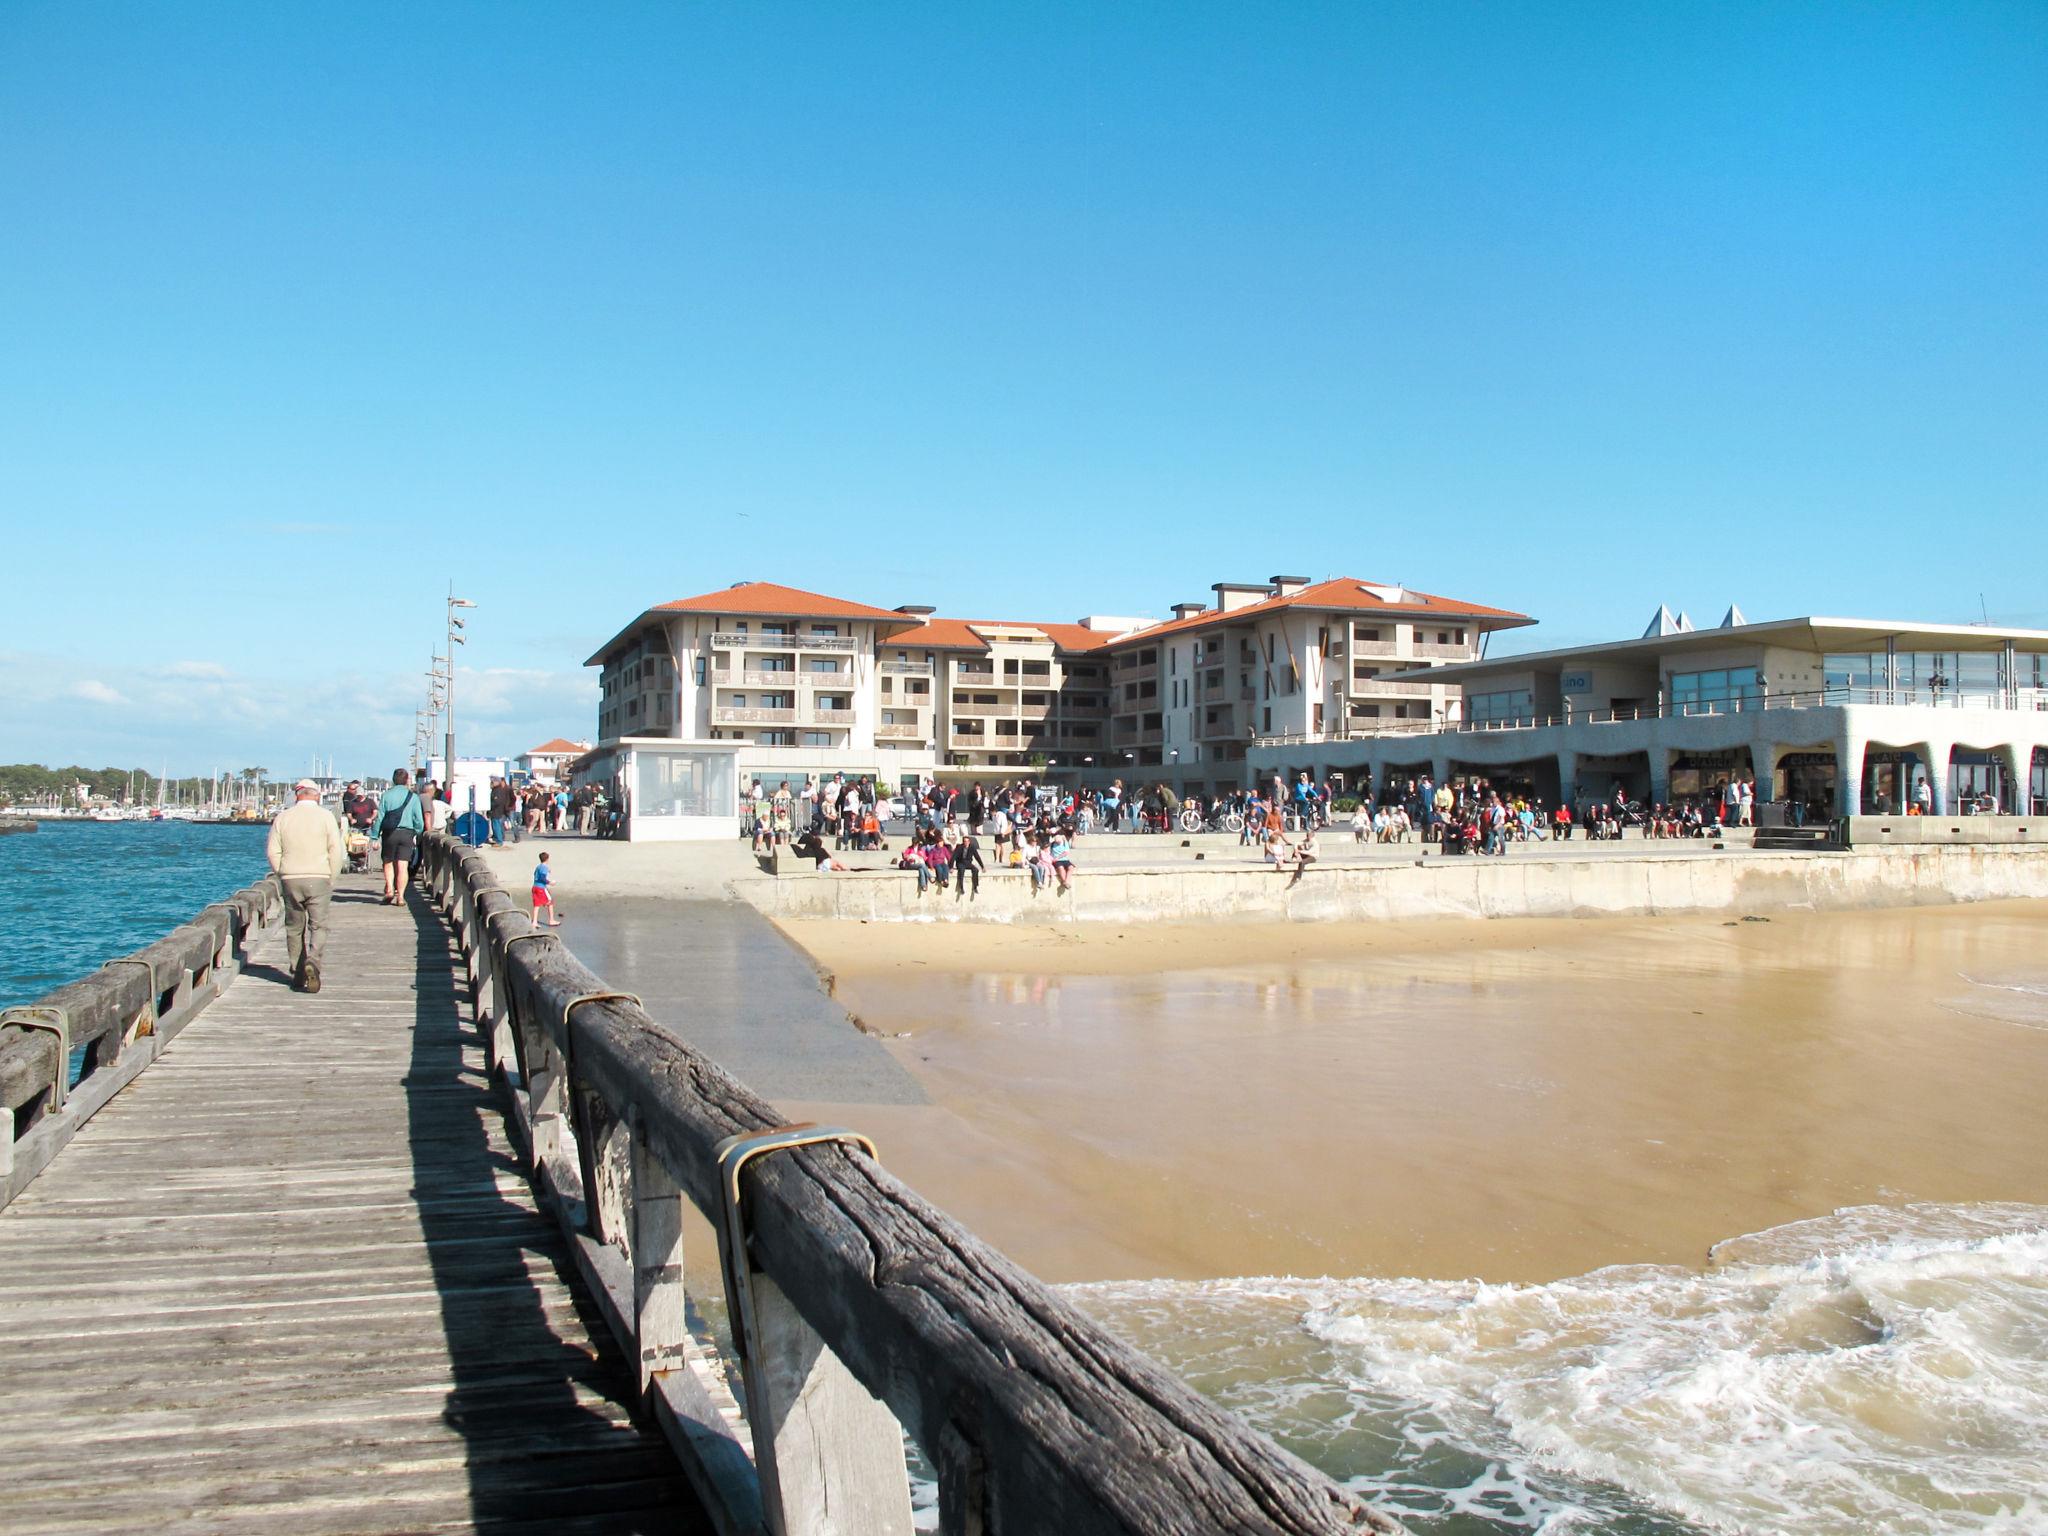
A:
{"x":1287,"y":586}
{"x":1233,"y":595}
{"x":1189,"y":610}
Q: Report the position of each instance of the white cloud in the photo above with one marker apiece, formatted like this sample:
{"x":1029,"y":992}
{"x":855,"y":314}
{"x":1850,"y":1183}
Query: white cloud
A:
{"x":197,"y":714}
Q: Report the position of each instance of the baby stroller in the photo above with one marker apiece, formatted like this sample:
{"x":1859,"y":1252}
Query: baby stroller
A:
{"x":357,"y":845}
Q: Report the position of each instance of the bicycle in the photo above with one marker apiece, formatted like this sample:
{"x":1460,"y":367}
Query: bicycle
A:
{"x":1192,"y":820}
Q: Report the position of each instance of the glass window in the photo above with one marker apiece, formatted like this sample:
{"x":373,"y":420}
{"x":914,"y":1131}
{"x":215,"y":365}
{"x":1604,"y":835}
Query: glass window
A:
{"x":683,"y":784}
{"x":1506,"y":706}
{"x":1713,"y":692}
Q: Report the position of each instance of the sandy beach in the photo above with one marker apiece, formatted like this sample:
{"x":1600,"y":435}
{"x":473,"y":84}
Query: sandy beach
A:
{"x":1514,"y":1100}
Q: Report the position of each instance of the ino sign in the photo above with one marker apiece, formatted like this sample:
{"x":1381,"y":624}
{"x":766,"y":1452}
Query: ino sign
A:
{"x":1576,"y":682}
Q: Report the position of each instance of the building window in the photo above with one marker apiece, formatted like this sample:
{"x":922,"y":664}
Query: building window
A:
{"x":817,"y":738}
{"x":1713,"y":693}
{"x":1510,"y":706}
{"x":700,"y":671}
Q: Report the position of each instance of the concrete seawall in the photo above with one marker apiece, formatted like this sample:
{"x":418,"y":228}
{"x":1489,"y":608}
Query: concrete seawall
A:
{"x":1608,"y":886}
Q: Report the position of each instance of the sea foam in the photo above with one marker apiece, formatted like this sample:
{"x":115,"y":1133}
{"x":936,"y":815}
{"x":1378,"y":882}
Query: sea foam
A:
{"x":1884,"y":1368}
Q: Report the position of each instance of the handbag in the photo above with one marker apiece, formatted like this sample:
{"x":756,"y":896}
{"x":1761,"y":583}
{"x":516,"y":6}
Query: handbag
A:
{"x":395,"y":815}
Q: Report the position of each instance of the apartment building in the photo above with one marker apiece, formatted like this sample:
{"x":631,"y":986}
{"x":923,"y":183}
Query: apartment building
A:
{"x":787,"y":677}
{"x":995,"y":694}
{"x":759,"y":680}
{"x":1287,"y":656}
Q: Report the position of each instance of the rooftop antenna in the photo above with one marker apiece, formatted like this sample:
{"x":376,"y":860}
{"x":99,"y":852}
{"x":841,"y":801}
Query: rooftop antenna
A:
{"x":1983,"y":609}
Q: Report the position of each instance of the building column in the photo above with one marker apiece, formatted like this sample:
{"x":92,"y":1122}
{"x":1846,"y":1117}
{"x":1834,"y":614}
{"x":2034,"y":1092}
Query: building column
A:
{"x":1849,"y":775}
{"x":1440,"y":769}
{"x":1934,"y":756}
{"x":1568,"y":778}
{"x":1660,"y":775}
{"x":1763,"y":763}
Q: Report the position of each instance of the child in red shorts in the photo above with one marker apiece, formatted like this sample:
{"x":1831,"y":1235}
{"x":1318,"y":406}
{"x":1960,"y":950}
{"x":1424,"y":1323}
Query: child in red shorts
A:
{"x":543,"y":897}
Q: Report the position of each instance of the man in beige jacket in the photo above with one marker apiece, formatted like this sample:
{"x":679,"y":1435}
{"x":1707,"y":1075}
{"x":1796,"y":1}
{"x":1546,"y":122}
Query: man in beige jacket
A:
{"x":305,"y":853}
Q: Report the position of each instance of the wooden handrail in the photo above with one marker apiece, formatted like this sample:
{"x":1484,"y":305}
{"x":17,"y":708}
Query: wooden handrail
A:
{"x":878,"y":1314}
{"x":124,"y":1015}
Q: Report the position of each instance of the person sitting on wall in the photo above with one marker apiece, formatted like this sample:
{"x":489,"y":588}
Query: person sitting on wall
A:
{"x":810,"y":845}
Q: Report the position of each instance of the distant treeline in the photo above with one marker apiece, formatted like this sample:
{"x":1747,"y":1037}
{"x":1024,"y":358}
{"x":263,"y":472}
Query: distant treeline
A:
{"x":21,"y":783}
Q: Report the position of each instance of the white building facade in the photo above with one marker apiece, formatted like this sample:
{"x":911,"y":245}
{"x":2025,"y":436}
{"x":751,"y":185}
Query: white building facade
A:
{"x":1842,"y":717}
{"x":778,"y":684}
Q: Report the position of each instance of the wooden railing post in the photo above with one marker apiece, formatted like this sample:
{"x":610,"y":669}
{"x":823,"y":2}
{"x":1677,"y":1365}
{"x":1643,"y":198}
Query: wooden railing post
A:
{"x":545,"y":1096}
{"x":660,"y":1306}
{"x":829,"y":1454}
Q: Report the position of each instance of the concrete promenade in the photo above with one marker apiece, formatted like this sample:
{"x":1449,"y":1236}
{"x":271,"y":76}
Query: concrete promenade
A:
{"x":1175,"y":878}
{"x":292,"y":1279}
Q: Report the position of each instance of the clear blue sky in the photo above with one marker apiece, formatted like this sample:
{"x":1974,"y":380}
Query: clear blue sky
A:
{"x":1025,"y":311}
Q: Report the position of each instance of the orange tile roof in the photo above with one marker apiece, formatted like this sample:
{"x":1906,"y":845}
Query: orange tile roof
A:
{"x":771,"y":599}
{"x":558,"y":745}
{"x":1340,"y":593}
{"x":959,"y":634}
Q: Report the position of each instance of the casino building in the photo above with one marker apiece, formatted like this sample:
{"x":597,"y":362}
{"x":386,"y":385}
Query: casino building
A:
{"x":1843,"y":716}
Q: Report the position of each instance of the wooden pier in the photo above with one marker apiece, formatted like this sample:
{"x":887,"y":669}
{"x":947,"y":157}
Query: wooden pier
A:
{"x":407,"y":1256}
{"x":292,"y":1279}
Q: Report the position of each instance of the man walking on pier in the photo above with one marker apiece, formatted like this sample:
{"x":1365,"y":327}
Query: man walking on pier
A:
{"x":305,"y":852}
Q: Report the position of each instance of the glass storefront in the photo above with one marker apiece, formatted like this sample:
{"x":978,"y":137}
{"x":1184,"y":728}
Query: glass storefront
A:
{"x":1977,"y":784}
{"x":679,"y":782}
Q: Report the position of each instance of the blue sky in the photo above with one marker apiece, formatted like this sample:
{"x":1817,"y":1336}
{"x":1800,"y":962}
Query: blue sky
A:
{"x":1023,"y":311}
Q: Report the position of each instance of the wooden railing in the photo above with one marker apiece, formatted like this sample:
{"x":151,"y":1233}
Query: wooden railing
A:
{"x":861,"y":1312}
{"x":123,"y":1015}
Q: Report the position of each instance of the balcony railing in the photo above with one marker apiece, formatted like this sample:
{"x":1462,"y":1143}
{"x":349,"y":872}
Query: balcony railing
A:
{"x":1387,"y":687}
{"x":753,"y":716}
{"x":907,"y":668}
{"x":824,"y":715}
{"x":748,"y":677}
{"x":1222,"y":728}
{"x":739,"y":642}
{"x":893,"y":730}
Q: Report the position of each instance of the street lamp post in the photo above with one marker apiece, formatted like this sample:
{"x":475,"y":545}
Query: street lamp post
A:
{"x":455,"y":627}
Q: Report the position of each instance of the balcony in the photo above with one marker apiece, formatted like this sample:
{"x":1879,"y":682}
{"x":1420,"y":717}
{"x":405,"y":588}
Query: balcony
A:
{"x":907,"y":668}
{"x":1431,"y":651}
{"x":735,"y":642}
{"x":842,"y":718}
{"x":1374,"y":648}
{"x":753,"y":717}
{"x":899,"y":731}
{"x":1224,"y":727}
{"x":747,"y":677}
{"x":1387,"y":688}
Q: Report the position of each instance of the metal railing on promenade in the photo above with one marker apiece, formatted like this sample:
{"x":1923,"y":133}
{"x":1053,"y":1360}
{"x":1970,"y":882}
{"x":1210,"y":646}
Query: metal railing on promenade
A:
{"x":2023,"y":699}
{"x":860,"y":1312}
{"x":122,"y":1016}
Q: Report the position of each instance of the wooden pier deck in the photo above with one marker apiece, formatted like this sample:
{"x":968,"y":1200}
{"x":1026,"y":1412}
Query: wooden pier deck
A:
{"x":292,"y":1279}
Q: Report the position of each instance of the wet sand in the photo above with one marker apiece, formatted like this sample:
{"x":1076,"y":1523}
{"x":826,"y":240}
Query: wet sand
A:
{"x":1515,"y":1100}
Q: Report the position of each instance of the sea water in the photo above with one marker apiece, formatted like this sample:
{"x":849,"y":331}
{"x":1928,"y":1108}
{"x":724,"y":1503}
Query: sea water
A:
{"x":75,"y":894}
{"x":1880,"y":1369}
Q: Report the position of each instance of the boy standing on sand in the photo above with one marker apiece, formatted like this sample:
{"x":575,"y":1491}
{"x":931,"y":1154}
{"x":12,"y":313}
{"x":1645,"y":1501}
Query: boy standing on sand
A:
{"x":543,"y":896}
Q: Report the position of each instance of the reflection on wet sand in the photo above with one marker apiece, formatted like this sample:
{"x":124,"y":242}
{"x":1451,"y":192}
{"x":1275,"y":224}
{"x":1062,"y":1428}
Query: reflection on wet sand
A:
{"x":1509,"y":1100}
